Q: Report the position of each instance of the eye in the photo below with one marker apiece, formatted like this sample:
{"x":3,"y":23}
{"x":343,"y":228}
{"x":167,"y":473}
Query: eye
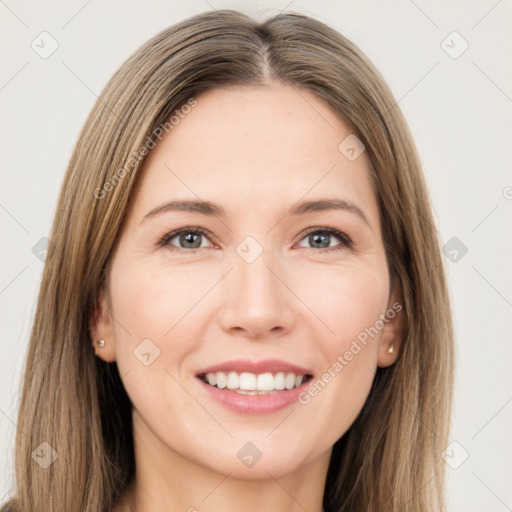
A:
{"x":320,"y":238}
{"x":189,"y":237}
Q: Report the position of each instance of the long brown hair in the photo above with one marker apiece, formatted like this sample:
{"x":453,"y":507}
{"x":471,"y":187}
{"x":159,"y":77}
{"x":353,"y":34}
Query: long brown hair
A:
{"x":390,"y":458}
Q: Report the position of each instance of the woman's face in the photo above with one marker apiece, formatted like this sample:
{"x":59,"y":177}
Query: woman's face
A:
{"x":264,"y":280}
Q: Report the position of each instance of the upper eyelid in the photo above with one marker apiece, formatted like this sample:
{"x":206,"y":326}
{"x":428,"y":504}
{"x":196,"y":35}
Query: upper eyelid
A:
{"x":328,"y":229}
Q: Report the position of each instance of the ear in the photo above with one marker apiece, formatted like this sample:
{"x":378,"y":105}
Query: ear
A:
{"x":102,"y":328}
{"x":392,"y":332}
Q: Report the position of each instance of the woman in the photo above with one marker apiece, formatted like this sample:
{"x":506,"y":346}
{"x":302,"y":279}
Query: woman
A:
{"x":298,"y":354}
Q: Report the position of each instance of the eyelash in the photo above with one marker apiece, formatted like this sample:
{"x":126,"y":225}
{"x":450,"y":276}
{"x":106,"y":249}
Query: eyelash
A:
{"x":346,"y":242}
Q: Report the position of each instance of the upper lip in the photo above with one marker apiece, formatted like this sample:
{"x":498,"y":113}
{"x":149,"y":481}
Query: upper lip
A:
{"x":257,"y":367}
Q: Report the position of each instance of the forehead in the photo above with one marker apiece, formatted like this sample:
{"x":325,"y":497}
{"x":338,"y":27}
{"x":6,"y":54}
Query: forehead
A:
{"x":243,"y":145}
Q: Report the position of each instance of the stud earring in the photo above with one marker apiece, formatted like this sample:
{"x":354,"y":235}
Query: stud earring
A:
{"x":391,"y":349}
{"x":101,"y":344}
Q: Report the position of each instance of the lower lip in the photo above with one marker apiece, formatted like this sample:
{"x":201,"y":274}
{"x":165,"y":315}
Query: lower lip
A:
{"x":255,"y":404}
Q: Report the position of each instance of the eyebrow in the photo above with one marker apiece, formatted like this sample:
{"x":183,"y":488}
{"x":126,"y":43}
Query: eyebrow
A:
{"x":302,"y":208}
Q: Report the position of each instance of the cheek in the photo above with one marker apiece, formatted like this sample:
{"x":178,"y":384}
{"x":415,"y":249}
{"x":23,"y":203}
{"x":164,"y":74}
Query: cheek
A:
{"x":154,"y":334}
{"x":350,"y":303}
{"x":347,"y":301}
{"x":151,"y":299}
{"x":162,"y":304}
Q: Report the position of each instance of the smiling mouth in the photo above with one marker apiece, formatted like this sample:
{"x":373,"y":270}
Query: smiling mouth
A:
{"x":247,"y":383}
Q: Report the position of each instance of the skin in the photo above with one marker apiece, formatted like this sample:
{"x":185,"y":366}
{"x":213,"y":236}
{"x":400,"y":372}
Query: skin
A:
{"x":256,"y":151}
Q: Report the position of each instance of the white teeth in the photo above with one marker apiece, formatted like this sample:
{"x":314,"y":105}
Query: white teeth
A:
{"x":247,"y":381}
{"x":251,"y":384}
{"x":232,"y":382}
{"x":221,"y":380}
{"x":289,"y":382}
{"x":265,"y":382}
{"x":279,"y":381}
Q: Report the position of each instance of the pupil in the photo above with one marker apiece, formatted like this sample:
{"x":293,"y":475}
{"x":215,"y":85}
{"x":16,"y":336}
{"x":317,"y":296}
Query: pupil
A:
{"x":317,"y":238}
{"x":189,"y":238}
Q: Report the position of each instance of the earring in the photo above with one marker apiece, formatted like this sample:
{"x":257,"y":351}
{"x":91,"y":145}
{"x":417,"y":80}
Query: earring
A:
{"x":101,"y":344}
{"x":391,"y":349}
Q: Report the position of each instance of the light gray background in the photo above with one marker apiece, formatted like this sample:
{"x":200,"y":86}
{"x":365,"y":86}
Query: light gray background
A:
{"x":459,"y":110}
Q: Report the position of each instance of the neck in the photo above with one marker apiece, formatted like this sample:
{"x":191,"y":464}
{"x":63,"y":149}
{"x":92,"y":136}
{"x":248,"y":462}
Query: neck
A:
{"x":165,"y":480}
{"x":131,"y":504}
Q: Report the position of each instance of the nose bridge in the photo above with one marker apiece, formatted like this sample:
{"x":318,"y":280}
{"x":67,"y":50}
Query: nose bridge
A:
{"x":256,"y":285}
{"x":257,"y":300}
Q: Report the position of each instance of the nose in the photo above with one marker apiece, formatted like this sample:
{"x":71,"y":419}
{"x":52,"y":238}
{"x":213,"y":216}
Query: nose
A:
{"x":256,"y":302}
